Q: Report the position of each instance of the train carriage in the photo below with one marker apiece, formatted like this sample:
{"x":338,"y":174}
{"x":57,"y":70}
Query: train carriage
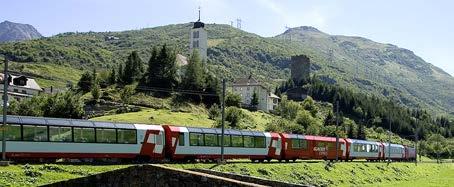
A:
{"x":325,"y":147}
{"x":361,"y":149}
{"x":410,"y":153}
{"x":188,"y":143}
{"x":51,"y":138}
{"x":396,"y":152}
{"x":295,"y":146}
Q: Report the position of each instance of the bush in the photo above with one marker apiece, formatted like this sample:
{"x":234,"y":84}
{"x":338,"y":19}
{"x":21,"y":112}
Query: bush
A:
{"x":234,"y":115}
{"x":233,"y":99}
{"x":214,"y":112}
{"x":288,"y":109}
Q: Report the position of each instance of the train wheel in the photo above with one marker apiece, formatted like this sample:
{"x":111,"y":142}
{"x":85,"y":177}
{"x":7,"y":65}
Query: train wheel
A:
{"x":268,"y":159}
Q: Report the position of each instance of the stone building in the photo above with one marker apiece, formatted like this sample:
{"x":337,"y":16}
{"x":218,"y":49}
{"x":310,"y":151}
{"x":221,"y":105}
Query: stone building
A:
{"x":245,"y":87}
{"x":20,"y":87}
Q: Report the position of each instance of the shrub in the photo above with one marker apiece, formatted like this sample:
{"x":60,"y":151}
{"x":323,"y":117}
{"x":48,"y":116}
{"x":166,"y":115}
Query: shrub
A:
{"x":214,"y":111}
{"x":233,"y":99}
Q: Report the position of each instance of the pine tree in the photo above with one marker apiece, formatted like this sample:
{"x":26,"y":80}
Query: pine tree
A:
{"x":194,"y":78}
{"x":85,"y":82}
{"x":361,"y":132}
{"x":153,"y":72}
{"x":255,"y":99}
{"x":113,"y":76}
{"x":120,"y":74}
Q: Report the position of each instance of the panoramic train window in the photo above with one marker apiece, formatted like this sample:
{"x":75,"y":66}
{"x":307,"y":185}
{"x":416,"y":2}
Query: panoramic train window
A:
{"x":226,"y":140}
{"x":60,"y":134}
{"x":237,"y":141}
{"x":211,"y":140}
{"x":248,"y":141}
{"x":303,"y":144}
{"x":34,"y":133}
{"x":13,"y":133}
{"x":127,"y":136}
{"x":106,"y":135}
{"x":181,"y":139}
{"x":196,"y":139}
{"x":84,"y":135}
{"x":260,"y":142}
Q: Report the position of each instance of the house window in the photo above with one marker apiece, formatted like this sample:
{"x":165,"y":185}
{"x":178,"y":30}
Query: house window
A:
{"x":16,"y":90}
{"x":195,"y":44}
{"x":24,"y":91}
{"x":195,"y":34}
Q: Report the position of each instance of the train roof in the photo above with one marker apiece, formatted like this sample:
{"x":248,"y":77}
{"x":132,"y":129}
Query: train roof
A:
{"x":226,"y":131}
{"x":361,"y":141}
{"x":28,"y":120}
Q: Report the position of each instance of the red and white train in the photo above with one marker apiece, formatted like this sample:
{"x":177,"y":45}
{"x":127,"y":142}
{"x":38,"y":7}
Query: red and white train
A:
{"x":54,"y":138}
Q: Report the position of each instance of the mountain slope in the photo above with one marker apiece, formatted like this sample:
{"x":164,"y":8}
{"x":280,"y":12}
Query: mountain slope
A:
{"x":10,"y":31}
{"x":381,"y":68}
{"x":367,"y":66}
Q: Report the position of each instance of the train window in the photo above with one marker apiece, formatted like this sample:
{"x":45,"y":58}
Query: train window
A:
{"x":260,"y":142}
{"x":195,"y":139}
{"x":127,"y":136}
{"x":237,"y":141}
{"x":84,"y":135}
{"x":60,"y":134}
{"x":13,"y":133}
{"x":248,"y":141}
{"x":226,"y":140}
{"x":296,"y":144}
{"x":106,"y":135}
{"x":303,"y":144}
{"x":211,"y":140}
{"x":34,"y":133}
{"x":181,"y":139}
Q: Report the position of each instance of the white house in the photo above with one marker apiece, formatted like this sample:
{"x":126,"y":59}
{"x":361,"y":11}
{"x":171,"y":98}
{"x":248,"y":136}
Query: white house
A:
{"x":20,"y":87}
{"x":246,"y":87}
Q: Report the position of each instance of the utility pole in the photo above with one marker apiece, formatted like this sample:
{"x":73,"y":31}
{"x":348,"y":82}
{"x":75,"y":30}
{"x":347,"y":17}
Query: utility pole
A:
{"x":389,"y":142}
{"x":5,"y":103}
{"x":416,"y":144}
{"x":337,"y":135}
{"x":222,"y":121}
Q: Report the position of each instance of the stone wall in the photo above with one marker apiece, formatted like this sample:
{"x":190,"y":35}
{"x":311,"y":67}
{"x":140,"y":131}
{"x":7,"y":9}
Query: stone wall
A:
{"x":249,"y":179}
{"x":151,"y":175}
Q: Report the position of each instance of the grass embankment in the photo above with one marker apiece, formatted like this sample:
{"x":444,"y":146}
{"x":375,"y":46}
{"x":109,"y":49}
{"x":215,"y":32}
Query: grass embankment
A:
{"x":196,"y":118}
{"x":35,"y":175}
{"x":342,"y":174}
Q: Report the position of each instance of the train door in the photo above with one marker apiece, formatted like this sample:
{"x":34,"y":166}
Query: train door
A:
{"x":152,"y":143}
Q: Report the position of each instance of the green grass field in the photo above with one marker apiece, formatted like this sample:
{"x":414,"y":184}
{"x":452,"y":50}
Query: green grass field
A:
{"x":35,"y":175}
{"x":342,"y":174}
{"x":316,"y":173}
{"x":161,"y":116}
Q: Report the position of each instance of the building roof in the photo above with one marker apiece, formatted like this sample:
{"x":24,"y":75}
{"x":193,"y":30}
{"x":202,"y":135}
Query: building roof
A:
{"x":246,"y":81}
{"x":272,"y":95}
{"x":31,"y":83}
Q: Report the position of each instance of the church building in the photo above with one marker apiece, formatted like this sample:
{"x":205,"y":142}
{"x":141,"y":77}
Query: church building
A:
{"x":199,"y":39}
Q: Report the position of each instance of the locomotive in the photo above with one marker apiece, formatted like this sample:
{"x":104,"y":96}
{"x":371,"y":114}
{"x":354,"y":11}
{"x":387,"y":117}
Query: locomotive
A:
{"x":39,"y":138}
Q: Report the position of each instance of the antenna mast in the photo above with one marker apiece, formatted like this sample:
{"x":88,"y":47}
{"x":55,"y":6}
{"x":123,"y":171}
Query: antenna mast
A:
{"x":199,"y":13}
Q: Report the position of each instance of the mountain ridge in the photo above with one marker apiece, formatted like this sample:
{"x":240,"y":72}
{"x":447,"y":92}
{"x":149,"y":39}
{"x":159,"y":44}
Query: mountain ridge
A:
{"x":357,"y":62}
{"x":11,"y":32}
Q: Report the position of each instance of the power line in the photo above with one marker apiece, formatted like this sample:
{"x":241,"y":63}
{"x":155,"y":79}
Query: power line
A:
{"x":189,"y":92}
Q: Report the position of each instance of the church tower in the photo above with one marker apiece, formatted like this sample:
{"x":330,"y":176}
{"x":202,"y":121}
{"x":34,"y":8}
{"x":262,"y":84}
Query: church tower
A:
{"x":199,"y":39}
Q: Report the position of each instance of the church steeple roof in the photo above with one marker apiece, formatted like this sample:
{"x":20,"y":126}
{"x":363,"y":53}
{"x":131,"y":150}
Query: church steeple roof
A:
{"x":198,"y":23}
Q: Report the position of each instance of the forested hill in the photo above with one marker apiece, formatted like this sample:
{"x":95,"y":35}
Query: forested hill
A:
{"x":359,"y":63}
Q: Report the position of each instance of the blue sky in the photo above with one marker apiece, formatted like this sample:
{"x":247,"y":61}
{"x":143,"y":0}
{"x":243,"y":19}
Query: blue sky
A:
{"x":425,"y":27}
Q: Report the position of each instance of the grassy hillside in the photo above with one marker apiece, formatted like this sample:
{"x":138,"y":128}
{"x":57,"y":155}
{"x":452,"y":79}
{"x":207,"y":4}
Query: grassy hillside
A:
{"x":341,"y":174}
{"x":381,"y":69}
